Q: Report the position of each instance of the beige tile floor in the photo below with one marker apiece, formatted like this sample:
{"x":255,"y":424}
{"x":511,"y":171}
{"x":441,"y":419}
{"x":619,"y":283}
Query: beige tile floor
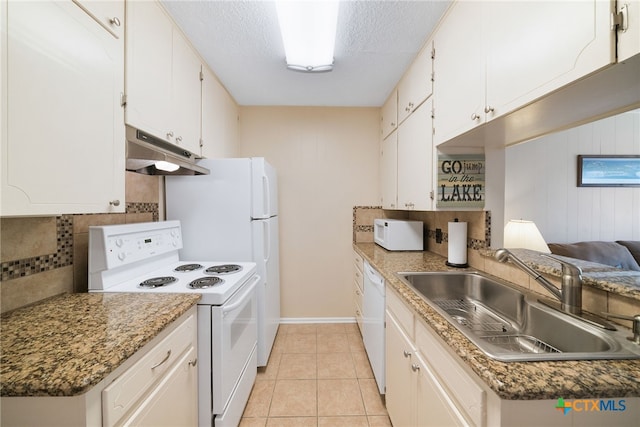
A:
{"x":317,"y":375}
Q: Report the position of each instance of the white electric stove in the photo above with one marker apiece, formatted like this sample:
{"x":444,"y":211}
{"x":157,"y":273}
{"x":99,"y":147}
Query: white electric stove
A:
{"x":144,"y":257}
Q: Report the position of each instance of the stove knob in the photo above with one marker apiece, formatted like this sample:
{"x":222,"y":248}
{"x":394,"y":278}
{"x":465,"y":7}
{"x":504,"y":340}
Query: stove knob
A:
{"x":122,"y":256}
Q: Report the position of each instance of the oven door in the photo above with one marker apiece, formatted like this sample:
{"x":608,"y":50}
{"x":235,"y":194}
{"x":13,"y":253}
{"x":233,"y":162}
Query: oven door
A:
{"x":234,"y":336}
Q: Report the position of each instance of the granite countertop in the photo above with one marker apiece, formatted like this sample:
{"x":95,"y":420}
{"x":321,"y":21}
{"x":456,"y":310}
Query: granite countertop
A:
{"x":509,"y":380}
{"x":67,"y":344}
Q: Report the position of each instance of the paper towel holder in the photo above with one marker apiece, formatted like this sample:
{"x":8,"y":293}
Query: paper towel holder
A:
{"x":457,"y":265}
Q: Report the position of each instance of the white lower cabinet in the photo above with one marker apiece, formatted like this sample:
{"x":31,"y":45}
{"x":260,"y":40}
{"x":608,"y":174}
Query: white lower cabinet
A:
{"x":358,"y":284}
{"x":156,"y":386}
{"x":414,"y":395}
{"x":428,"y":385}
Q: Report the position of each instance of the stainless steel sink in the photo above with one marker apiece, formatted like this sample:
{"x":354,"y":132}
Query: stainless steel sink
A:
{"x":509,"y":324}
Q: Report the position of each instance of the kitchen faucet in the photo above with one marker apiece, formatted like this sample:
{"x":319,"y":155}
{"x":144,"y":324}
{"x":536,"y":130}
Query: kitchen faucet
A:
{"x":570,"y":295}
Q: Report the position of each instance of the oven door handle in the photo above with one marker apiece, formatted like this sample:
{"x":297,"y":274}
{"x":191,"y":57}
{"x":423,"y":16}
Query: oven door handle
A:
{"x":226,"y":309}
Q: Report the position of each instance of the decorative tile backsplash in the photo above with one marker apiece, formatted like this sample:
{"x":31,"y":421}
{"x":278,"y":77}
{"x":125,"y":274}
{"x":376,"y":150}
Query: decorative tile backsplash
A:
{"x":62,"y":257}
{"x":34,"y":247}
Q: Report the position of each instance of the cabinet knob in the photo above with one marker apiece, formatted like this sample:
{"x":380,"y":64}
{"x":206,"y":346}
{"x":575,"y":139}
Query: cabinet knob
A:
{"x":488,"y":109}
{"x":114,"y":202}
{"x":474,"y":117}
{"x":393,"y":124}
{"x":178,"y":139}
{"x":415,"y":367}
{"x":407,"y":353}
{"x":193,"y":362}
{"x":170,"y":134}
{"x":114,"y":21}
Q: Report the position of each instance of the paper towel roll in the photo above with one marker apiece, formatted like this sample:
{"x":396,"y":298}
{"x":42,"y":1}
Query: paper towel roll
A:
{"x":457,"y":244}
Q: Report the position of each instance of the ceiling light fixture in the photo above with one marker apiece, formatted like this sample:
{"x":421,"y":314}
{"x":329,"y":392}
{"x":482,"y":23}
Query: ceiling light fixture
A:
{"x":308,"y":31}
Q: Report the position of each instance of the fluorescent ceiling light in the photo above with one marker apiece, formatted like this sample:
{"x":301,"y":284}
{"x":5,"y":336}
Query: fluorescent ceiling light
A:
{"x":166,"y":166}
{"x":309,"y":33}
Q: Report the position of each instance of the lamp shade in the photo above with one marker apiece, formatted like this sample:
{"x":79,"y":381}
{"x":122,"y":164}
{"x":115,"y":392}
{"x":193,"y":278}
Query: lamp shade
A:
{"x":525,"y":235}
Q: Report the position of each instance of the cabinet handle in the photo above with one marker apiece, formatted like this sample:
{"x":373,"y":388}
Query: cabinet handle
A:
{"x":411,"y":105}
{"x":193,"y":362}
{"x":114,"y":202}
{"x":170,"y":134}
{"x":114,"y":21}
{"x":178,"y":139}
{"x":407,"y":353}
{"x":357,"y":292}
{"x":358,"y":313}
{"x":415,"y":367}
{"x":393,"y":125}
{"x":474,"y":117}
{"x":488,"y":109}
{"x":163,"y":360}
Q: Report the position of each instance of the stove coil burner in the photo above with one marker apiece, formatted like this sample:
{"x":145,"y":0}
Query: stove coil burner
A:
{"x":224,"y":269}
{"x":188,"y":267}
{"x":157,"y":282}
{"x":206,"y":282}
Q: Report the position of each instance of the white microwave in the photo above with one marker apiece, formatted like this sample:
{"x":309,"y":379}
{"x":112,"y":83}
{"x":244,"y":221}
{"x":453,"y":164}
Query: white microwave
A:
{"x":398,"y":235}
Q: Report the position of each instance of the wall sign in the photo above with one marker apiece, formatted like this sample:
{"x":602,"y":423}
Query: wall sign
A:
{"x":609,"y":171}
{"x":460,"y":181}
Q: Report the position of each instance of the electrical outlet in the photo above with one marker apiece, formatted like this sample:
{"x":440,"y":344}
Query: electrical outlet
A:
{"x":438,"y":235}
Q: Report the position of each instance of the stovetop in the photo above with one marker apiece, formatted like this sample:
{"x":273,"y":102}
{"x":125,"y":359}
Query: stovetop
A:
{"x":226,"y":283}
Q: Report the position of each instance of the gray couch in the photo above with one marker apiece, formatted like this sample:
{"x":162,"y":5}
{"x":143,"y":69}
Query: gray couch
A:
{"x":624,"y":254}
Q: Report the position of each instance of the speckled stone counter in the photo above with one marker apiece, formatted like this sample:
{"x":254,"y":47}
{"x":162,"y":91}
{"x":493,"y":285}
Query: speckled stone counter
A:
{"x":512,"y":380}
{"x":65,"y":345}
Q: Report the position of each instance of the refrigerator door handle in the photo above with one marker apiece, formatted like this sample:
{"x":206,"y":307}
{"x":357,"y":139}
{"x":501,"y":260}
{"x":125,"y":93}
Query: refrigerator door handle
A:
{"x":267,"y":196}
{"x":266,"y":241}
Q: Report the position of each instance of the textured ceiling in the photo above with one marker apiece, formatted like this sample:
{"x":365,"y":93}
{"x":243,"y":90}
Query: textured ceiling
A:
{"x":375,"y":43}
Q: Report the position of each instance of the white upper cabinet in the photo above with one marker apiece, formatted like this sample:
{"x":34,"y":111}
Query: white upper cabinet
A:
{"x":390,"y":114}
{"x":415,"y":157}
{"x":417,"y":83}
{"x":63,"y":145}
{"x":495,"y":57}
{"x":219,"y":119}
{"x":186,"y":94}
{"x":109,"y":14}
{"x":459,"y":86}
{"x":162,"y":77}
{"x":389,"y":171}
{"x":534,"y":48}
{"x":628,"y":28}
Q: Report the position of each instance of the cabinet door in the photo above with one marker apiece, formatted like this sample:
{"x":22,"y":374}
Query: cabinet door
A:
{"x":219,"y":118}
{"x":415,"y":155}
{"x":417,"y":84}
{"x":390,"y":114}
{"x":148,"y":73}
{"x":389,"y":171}
{"x":186,"y":94}
{"x":109,"y":14}
{"x":459,"y":67}
{"x":63,"y":143}
{"x":400,"y":379}
{"x":433,"y":406}
{"x":534,"y":48}
{"x":629,"y":33}
{"x":174,"y":401}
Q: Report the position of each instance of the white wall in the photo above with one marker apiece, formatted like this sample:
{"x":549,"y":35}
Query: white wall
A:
{"x":327,"y":162}
{"x":541,"y":176}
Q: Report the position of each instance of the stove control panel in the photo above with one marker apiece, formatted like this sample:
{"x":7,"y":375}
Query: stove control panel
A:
{"x":113,"y":246}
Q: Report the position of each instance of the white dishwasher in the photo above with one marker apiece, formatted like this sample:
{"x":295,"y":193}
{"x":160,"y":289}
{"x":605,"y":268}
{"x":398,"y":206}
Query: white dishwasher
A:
{"x":373,"y":322}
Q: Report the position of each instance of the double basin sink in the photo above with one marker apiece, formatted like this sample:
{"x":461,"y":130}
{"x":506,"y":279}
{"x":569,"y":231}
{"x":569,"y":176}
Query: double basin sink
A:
{"x":509,"y":324}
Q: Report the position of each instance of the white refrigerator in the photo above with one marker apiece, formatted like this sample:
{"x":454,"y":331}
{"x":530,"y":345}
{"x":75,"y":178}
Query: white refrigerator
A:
{"x":231,"y":215}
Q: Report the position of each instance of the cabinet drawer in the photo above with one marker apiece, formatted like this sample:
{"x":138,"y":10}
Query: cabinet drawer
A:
{"x":467,"y":395}
{"x":404,"y":315}
{"x":358,"y":268}
{"x":121,"y":395}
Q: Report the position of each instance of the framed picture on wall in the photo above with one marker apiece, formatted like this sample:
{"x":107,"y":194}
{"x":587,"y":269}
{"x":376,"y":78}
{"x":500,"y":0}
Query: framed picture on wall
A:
{"x":609,"y":171}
